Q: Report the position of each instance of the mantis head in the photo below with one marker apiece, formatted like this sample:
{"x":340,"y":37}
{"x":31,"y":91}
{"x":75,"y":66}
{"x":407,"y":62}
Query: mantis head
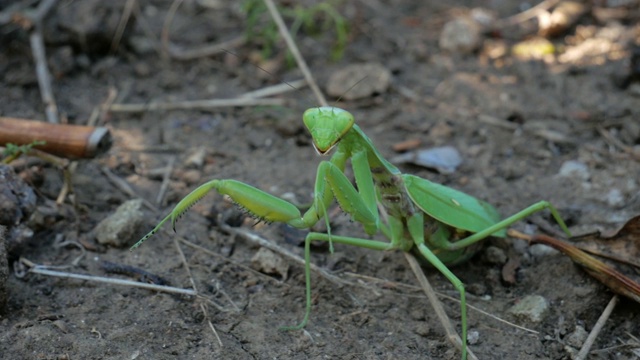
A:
{"x":327,"y":125}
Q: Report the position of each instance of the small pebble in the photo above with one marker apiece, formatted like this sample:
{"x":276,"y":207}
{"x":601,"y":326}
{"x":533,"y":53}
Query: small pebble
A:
{"x":495,"y":255}
{"x":422,"y":329}
{"x":541,"y":250}
{"x":195,"y":160}
{"x":121,"y":227}
{"x":191,"y":177}
{"x":445,"y":159}
{"x":359,"y":81}
{"x":577,"y":337}
{"x":573,"y":169}
{"x":473,"y":337}
{"x":615,"y":199}
{"x":461,"y":35}
{"x":267,"y":262}
{"x":531,"y":308}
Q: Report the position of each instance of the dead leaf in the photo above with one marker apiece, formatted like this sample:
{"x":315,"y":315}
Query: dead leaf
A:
{"x":618,"y":267}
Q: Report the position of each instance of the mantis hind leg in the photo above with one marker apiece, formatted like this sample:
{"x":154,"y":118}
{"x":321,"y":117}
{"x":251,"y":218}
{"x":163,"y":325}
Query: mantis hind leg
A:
{"x":503,"y":224}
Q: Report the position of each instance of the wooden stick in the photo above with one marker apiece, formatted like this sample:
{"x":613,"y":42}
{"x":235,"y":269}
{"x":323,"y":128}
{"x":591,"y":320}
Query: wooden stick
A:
{"x":68,"y":141}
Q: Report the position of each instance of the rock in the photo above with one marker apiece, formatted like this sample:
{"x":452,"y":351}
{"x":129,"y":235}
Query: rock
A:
{"x":541,"y":250}
{"x":422,"y":328}
{"x":615,"y":198}
{"x":195,"y":159}
{"x":461,"y":35}
{"x":531,"y":308}
{"x":445,"y":159}
{"x":266,"y":261}
{"x":190,"y":177}
{"x":118,"y":229}
{"x":473,"y":337}
{"x":359,"y":81}
{"x":575,"y":169}
{"x":577,"y":337}
{"x":495,"y":255}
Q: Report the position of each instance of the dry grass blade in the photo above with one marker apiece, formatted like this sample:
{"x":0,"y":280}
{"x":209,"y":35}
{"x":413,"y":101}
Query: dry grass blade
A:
{"x":295,"y":52}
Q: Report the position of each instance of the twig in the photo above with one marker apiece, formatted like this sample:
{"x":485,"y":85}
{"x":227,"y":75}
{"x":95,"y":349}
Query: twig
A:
{"x":97,"y":114}
{"x":38,"y":269}
{"x":213,"y":329}
{"x":44,"y":77}
{"x":584,"y":351}
{"x":224,"y":258}
{"x":67,"y":185}
{"x":617,"y":143}
{"x":275,"y":89}
{"x":166,"y":26}
{"x":33,"y":22}
{"x":166,"y":178}
{"x":206,"y":50}
{"x":494,"y":317}
{"x":273,"y":10}
{"x":444,"y":296}
{"x":122,"y":24}
{"x":195,"y":105}
{"x":193,"y":283}
{"x":186,"y":265}
{"x":437,"y":305}
{"x":256,"y":239}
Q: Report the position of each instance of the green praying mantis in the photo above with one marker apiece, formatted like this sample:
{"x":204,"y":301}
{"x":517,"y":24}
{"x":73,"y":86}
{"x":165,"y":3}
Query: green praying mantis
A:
{"x":439,"y":223}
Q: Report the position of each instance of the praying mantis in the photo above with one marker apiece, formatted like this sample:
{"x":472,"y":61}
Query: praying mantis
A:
{"x":437,"y":222}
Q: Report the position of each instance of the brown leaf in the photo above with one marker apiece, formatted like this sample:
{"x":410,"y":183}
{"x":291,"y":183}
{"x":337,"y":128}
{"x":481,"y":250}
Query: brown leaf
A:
{"x":622,"y":245}
{"x":619,"y":251}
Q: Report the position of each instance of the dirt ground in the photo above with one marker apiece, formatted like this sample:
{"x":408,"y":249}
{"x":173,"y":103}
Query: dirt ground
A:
{"x":520,"y":125}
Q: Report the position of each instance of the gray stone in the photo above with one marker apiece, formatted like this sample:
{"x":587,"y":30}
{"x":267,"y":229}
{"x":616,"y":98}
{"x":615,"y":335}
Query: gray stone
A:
{"x":531,"y":308}
{"x":495,"y":255}
{"x":359,"y":81}
{"x":577,"y":337}
{"x":121,"y":227}
{"x":268,"y":262}
{"x":541,"y":250}
{"x":575,"y":169}
{"x":462,"y":35}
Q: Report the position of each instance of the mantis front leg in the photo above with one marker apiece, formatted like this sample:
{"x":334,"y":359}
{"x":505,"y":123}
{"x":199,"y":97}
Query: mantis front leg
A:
{"x":330,"y":183}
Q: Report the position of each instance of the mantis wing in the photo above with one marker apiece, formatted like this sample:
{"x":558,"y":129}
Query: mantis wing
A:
{"x":452,"y":207}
